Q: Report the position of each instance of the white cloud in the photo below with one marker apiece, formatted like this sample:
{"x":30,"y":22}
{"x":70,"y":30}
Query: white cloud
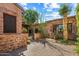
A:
{"x":54,"y":5}
{"x":55,"y":13}
{"x":72,"y":13}
{"x":34,"y":8}
{"x":49,"y":9}
{"x":46,"y":5}
{"x":75,"y":4}
{"x":25,"y":8}
{"x":24,"y":4}
{"x":51,"y":5}
{"x":46,"y":15}
{"x":48,"y":18}
{"x":51,"y":16}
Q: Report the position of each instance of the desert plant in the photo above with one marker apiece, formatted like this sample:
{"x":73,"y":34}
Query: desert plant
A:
{"x":63,"y":41}
{"x":24,"y":30}
{"x":77,"y":47}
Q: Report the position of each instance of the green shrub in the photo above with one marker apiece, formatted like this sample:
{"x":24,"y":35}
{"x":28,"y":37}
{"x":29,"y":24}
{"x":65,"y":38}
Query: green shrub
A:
{"x":58,"y":36}
{"x":63,"y":41}
{"x":77,"y":50}
{"x":24,"y":30}
{"x":44,"y":33}
{"x":77,"y":46}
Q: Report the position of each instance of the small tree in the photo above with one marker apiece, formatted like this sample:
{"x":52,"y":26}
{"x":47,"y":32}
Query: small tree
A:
{"x":42,"y":26}
{"x":42,"y":30}
{"x":30,"y":17}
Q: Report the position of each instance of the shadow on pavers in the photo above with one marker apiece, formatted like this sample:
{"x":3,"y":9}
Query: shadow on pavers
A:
{"x":17,"y":52}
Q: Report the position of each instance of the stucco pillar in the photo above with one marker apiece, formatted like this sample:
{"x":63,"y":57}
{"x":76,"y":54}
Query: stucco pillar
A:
{"x":65,"y":31}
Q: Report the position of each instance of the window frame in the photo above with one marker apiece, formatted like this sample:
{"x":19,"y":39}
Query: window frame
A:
{"x":5,"y":31}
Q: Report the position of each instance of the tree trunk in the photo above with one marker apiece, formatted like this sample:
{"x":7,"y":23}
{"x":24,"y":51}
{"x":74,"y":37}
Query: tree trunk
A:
{"x":65,"y":31}
{"x":33,"y":31}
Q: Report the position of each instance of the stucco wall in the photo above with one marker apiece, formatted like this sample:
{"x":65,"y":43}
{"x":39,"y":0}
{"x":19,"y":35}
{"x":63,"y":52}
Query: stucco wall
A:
{"x":37,"y":36}
{"x":74,"y":28}
{"x":50,"y":24}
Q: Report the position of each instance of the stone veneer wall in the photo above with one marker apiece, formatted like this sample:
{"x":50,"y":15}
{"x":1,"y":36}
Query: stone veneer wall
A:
{"x":9,"y":42}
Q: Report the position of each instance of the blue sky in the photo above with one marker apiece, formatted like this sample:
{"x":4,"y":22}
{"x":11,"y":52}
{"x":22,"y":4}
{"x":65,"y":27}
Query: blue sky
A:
{"x":49,"y":11}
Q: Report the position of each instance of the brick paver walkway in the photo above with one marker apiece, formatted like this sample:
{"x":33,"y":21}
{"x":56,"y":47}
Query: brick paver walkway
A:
{"x":51,"y":49}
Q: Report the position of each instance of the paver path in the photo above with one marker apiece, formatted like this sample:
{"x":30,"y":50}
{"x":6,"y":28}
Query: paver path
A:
{"x":51,"y":49}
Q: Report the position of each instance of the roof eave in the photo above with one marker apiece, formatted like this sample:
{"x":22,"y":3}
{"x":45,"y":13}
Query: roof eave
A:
{"x":20,"y":7}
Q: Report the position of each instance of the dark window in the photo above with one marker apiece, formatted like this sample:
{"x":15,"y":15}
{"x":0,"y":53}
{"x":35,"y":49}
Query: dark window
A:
{"x":30,"y":32}
{"x":58,"y":27}
{"x":54,"y":28}
{"x":36,"y":30}
{"x":9,"y":23}
{"x":70,"y":27}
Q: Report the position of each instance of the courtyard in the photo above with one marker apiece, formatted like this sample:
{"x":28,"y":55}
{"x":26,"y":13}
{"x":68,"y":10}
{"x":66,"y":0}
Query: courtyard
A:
{"x":20,"y":27}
